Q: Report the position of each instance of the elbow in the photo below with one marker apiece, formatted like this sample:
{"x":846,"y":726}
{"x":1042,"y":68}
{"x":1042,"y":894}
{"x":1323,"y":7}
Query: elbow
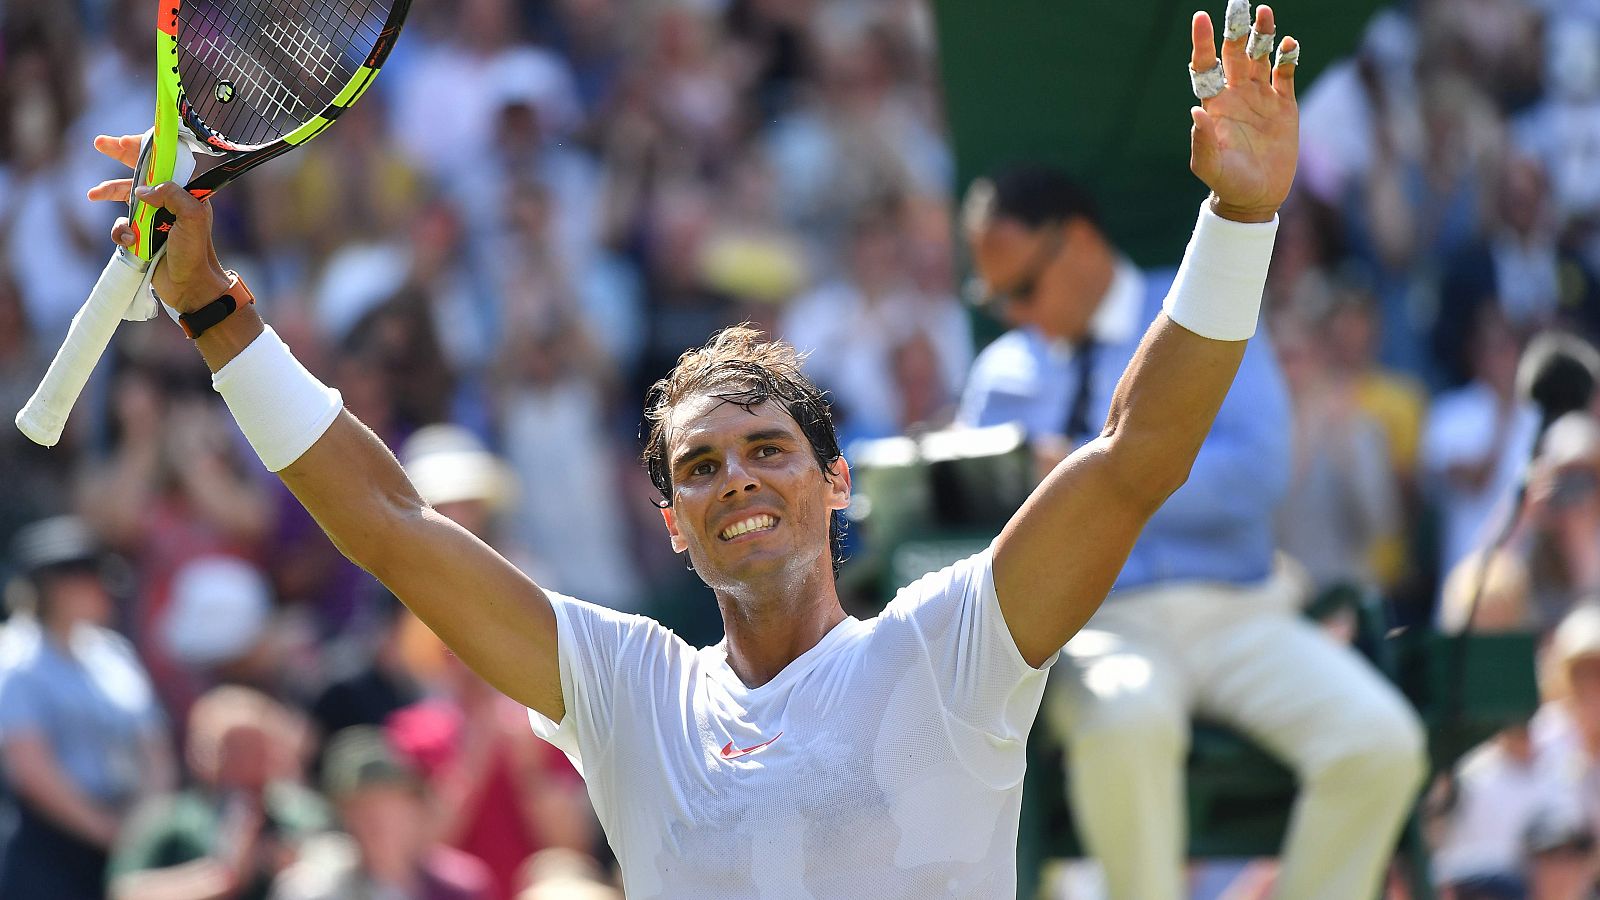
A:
{"x":378,"y":545}
{"x":1146,"y":470}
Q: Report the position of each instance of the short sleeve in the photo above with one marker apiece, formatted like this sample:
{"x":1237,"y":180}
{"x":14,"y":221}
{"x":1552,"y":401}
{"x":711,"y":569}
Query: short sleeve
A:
{"x":984,"y":681}
{"x":1002,"y":386}
{"x":21,"y":709}
{"x":602,"y":652}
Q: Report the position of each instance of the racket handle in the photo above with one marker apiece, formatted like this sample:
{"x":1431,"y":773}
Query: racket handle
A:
{"x":45,"y":413}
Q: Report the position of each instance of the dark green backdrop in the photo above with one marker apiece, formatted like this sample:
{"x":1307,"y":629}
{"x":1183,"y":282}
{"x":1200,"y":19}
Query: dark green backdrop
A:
{"x":1100,"y":86}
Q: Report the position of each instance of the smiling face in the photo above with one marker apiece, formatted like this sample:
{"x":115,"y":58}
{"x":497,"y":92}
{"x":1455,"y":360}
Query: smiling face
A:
{"x":750,"y":504}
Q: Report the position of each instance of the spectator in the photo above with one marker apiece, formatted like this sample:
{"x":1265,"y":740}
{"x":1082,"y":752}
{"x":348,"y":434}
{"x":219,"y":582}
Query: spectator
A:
{"x":36,"y":481}
{"x":371,"y":680}
{"x":1476,"y":441}
{"x":240,"y":823}
{"x":503,"y":794}
{"x":438,"y":124}
{"x":223,"y":626}
{"x":56,"y":258}
{"x":1567,"y":732}
{"x":1396,"y":403}
{"x":1342,"y":498}
{"x":1508,"y":801}
{"x":81,"y":734}
{"x":854,"y":328}
{"x":173,"y":490}
{"x":1502,"y":603}
{"x":388,"y":849}
{"x":1563,"y":518}
{"x":1562,"y":130}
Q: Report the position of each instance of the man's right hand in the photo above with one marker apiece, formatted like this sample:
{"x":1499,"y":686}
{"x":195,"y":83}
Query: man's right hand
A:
{"x":189,"y":275}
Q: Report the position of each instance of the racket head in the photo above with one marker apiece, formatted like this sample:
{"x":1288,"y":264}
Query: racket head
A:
{"x":249,"y":80}
{"x":255,"y":75}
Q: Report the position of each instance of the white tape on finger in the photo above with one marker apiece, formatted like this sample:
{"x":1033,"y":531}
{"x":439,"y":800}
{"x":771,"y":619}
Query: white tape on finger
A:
{"x":1290,"y":57}
{"x":1259,"y":44}
{"x":1209,"y":83}
{"x":1236,"y":22}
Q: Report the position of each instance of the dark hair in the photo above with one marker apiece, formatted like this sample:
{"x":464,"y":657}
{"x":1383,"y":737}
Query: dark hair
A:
{"x":738,"y":366}
{"x":1037,"y":195}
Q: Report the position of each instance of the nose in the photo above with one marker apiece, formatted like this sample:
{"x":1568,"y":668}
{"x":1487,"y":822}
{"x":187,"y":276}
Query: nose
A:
{"x":737,"y":479}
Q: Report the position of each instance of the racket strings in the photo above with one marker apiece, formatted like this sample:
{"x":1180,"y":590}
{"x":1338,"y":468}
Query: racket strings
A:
{"x":255,"y":70}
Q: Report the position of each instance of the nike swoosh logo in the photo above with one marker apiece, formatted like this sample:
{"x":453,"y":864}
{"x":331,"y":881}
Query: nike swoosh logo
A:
{"x":730,"y":752}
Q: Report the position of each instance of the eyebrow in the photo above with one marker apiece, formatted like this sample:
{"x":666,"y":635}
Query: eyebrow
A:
{"x":754,"y":437}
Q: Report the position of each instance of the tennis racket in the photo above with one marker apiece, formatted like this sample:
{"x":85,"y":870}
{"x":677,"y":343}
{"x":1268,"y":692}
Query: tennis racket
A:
{"x":242,"y":81}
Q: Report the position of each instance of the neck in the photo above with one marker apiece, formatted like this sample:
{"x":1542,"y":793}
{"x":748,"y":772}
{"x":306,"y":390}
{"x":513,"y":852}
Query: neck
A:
{"x":1093,"y":284}
{"x":59,"y":631}
{"x":767,"y":628}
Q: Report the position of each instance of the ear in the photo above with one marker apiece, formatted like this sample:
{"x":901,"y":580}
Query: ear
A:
{"x":669,"y":516}
{"x":839,"y":482}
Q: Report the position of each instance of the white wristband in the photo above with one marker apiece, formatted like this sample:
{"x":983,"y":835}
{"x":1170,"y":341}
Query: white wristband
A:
{"x":1217,"y":293}
{"x":281,"y":408}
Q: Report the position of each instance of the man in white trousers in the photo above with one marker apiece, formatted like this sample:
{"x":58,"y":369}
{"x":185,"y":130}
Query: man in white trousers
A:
{"x":1199,"y":621}
{"x":808,"y":754}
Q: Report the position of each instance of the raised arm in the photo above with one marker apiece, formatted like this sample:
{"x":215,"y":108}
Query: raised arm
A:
{"x":1060,"y":554}
{"x":496,"y":619}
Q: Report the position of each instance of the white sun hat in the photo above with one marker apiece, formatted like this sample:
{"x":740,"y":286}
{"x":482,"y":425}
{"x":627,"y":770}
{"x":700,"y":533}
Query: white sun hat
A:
{"x":220,"y":608}
{"x":448,"y":464}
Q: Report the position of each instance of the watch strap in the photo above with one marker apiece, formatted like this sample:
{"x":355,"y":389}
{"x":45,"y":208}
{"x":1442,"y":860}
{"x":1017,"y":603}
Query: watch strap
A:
{"x":196,"y":322}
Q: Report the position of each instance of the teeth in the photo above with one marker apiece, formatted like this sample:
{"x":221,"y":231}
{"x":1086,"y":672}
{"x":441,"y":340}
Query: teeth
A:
{"x":754,"y":523}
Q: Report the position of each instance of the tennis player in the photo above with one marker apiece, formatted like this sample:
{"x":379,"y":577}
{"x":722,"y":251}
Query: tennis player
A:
{"x":809,"y":754}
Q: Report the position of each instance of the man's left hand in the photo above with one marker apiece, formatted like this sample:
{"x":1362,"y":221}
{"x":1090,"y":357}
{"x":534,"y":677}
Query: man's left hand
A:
{"x":1245,"y":139}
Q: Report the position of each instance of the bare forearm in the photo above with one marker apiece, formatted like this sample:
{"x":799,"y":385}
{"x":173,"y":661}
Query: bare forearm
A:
{"x":1164,"y":406}
{"x":40,"y":783}
{"x":1051,"y":571}
{"x":490,"y":614}
{"x":201,"y":879}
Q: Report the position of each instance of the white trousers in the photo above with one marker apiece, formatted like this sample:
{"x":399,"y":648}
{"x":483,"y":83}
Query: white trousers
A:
{"x":1121,"y":697}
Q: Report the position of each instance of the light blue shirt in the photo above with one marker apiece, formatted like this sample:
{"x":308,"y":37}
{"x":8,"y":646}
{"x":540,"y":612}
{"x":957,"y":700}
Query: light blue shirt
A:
{"x":1218,"y":526}
{"x":93,"y":707}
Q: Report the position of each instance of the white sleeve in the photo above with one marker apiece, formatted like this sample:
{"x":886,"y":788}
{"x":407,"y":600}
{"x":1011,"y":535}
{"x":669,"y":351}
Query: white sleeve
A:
{"x":983,"y":680}
{"x":604,"y":655}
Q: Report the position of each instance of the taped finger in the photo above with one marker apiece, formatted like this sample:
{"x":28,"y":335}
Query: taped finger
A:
{"x":1236,"y":23}
{"x":1209,"y":83}
{"x":1259,"y":44}
{"x":1289,"y":57}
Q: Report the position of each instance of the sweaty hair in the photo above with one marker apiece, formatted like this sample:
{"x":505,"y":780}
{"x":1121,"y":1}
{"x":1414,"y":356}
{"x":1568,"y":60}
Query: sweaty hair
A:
{"x":738,"y":366}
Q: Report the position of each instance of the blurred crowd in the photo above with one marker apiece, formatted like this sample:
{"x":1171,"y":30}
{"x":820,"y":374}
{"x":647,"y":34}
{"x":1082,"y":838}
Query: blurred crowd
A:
{"x":534,"y":211}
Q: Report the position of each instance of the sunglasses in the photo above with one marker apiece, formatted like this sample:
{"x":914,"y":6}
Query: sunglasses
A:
{"x":1020,"y":293}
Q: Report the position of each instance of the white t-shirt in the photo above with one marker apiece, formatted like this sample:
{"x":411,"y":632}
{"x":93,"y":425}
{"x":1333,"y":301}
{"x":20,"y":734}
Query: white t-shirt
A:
{"x":885,"y":762}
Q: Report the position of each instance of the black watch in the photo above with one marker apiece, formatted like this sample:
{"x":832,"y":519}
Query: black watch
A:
{"x":196,"y":323}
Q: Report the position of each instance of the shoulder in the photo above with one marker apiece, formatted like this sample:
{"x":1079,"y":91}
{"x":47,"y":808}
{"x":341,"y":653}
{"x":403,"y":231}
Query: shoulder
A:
{"x":1013,"y":356}
{"x":598,"y":620}
{"x":968,"y":577}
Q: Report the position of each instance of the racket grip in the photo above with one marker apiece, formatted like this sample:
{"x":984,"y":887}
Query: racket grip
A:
{"x":45,"y":413}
